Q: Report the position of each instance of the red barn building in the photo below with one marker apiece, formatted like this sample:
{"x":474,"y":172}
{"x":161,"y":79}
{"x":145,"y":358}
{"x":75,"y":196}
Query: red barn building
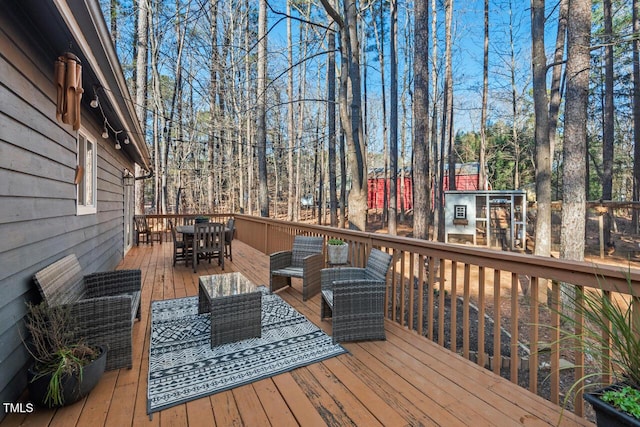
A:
{"x":467,"y":178}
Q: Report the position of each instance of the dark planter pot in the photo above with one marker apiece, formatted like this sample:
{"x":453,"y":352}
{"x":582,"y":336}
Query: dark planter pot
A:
{"x":608,"y":415}
{"x":74,"y":389}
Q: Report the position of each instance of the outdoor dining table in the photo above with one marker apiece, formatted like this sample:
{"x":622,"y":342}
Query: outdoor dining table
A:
{"x":188,"y":230}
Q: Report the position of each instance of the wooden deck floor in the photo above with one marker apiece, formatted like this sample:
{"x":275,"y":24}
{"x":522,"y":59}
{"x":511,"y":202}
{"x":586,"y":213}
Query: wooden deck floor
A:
{"x":404,"y":380}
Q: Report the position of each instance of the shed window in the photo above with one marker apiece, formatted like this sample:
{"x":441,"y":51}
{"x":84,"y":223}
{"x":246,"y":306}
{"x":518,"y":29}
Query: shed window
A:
{"x":86,"y":173}
{"x":460,"y":212}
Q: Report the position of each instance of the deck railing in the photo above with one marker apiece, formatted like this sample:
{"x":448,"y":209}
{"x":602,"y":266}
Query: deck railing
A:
{"x":514,"y":289}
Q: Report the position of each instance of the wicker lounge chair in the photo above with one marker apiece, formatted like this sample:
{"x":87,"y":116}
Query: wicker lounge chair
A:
{"x":354,"y":298}
{"x":103,"y":305}
{"x":304,"y":261}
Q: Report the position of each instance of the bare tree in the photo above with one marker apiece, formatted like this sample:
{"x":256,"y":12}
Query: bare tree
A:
{"x":393,"y":118}
{"x":543,"y":151}
{"x":636,"y":113}
{"x":575,"y":124}
{"x":607,"y":119}
{"x":421,"y":176}
{"x":291,"y":200}
{"x":261,"y":131}
{"x":141,"y":41}
{"x":331,"y":121}
{"x":379,"y":34}
{"x":446,"y":130}
{"x":485,"y":94}
{"x":350,"y":108}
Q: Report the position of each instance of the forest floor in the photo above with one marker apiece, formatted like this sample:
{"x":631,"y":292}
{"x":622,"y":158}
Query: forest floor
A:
{"x":626,"y":255}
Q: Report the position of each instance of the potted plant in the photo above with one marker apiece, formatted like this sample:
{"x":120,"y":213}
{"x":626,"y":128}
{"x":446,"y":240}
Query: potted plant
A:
{"x":337,"y":251}
{"x":201,"y":219}
{"x":65,"y":368}
{"x":611,"y":334}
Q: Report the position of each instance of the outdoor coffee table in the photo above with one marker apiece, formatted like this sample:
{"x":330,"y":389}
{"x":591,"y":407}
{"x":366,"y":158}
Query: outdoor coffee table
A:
{"x":235,"y":305}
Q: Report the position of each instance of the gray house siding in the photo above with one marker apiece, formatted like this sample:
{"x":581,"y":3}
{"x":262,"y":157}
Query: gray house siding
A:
{"x":38,"y":221}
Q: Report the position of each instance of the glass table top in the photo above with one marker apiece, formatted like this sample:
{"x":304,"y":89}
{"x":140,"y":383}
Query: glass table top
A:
{"x":228,"y":284}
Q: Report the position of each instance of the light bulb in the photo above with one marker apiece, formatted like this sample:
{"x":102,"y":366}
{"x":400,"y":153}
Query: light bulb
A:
{"x":94,"y":102}
{"x":118,"y":145}
{"x":126,"y":139}
{"x":105,"y":134}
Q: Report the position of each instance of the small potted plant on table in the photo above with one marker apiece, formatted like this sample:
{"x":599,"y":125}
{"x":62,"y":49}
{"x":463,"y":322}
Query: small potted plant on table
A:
{"x":337,"y":251}
{"x":66,"y":368}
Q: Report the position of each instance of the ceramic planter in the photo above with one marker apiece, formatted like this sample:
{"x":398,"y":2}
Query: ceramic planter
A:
{"x":74,"y":388}
{"x":606,"y":414}
{"x":338,"y":254}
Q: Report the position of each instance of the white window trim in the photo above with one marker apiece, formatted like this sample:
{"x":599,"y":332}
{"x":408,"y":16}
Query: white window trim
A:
{"x":92,"y":208}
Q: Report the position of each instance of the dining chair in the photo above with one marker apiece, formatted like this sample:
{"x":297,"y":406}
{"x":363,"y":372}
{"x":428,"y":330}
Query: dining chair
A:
{"x":228,"y":237}
{"x":142,"y":229}
{"x":208,"y":242}
{"x":354,"y":298}
{"x":181,"y":247}
{"x":303,"y":261}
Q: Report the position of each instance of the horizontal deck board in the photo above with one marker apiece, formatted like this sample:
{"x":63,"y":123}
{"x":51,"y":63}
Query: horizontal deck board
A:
{"x":405,"y":380}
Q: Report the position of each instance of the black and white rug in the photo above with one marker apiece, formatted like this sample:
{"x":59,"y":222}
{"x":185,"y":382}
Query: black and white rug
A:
{"x":184,"y":367}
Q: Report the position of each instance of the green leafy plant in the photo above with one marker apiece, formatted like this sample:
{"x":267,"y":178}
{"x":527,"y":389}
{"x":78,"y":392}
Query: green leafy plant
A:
{"x":335,"y":242}
{"x":627,"y":399}
{"x":609,"y":335}
{"x":55,"y":349}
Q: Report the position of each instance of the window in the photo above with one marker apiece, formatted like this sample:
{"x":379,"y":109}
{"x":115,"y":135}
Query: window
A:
{"x":86,"y":173}
{"x":460,"y":212}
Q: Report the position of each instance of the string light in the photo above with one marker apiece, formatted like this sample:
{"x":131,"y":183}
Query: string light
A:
{"x":95,"y":103}
{"x":105,"y":133}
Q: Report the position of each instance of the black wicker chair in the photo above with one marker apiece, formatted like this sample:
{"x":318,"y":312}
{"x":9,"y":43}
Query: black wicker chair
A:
{"x":304,"y":261}
{"x":354,"y":298}
{"x":103,"y":306}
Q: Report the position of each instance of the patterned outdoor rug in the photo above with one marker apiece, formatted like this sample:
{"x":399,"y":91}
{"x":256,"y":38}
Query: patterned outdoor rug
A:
{"x":184,"y":367}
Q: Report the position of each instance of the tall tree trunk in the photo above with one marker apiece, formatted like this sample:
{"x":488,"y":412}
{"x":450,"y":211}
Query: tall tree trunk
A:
{"x":482,"y":184}
{"x":246,"y":193}
{"x":261,"y":131}
{"x":543,"y":152}
{"x":331,"y":121}
{"x":342,"y":219}
{"x":213,"y":110}
{"x":142,"y":50}
{"x":393,"y":128}
{"x":406,"y":92}
{"x":575,"y":123}
{"x":556,"y":76}
{"x":514,"y":103}
{"x":291,"y":200}
{"x":113,"y":15}
{"x":436,"y":160}
{"x":379,"y":36}
{"x":303,"y":30}
{"x":350,"y":109}
{"x":607,"y":125}
{"x":447,"y":117}
{"x":636,"y":115}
